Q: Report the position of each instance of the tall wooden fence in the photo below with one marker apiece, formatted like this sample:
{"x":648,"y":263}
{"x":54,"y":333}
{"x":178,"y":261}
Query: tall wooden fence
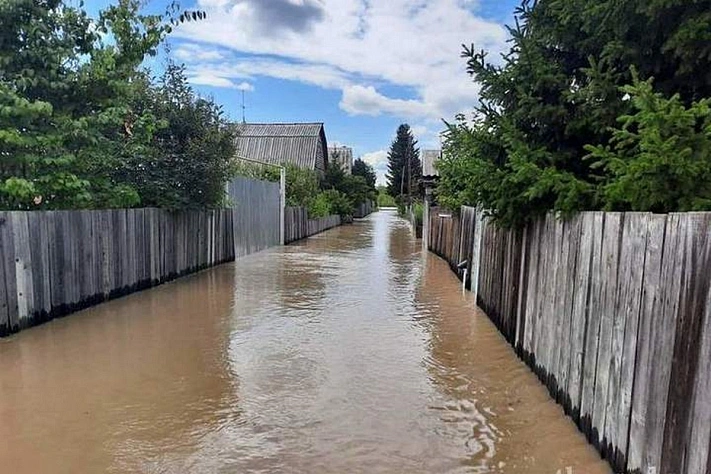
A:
{"x":56,"y":262}
{"x":613,"y":312}
{"x":297,"y":224}
{"x":257,"y":212}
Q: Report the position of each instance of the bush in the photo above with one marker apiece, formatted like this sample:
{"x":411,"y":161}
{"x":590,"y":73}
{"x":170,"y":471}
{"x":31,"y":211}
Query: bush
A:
{"x":418,"y":210}
{"x":385,"y":199}
{"x":319,"y":206}
{"x":339,"y":202}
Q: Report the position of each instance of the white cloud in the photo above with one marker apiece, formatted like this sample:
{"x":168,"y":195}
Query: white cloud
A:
{"x":359,"y":100}
{"x":209,"y":79}
{"x":245,"y":86}
{"x":195,"y":52}
{"x":355,"y":46}
{"x":379,"y":161}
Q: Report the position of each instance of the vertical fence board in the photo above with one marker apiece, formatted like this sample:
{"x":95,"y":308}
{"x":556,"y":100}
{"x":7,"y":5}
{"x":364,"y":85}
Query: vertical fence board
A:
{"x":644,"y":446}
{"x":7,"y":276}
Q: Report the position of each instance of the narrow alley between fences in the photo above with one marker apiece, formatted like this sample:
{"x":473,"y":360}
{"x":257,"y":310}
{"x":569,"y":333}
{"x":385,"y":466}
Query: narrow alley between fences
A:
{"x":352,"y":351}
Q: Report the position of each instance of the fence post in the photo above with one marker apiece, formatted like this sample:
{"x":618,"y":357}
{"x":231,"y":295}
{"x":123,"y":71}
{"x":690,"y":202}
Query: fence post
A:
{"x":476,"y":252}
{"x":282,"y":203}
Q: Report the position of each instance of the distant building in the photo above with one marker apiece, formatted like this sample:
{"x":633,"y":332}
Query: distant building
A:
{"x":429,"y":179}
{"x":342,"y":155}
{"x":301,"y":144}
{"x":428,"y":158}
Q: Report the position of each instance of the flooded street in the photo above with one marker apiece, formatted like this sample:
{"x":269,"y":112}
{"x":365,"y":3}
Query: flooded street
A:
{"x":349,"y":352}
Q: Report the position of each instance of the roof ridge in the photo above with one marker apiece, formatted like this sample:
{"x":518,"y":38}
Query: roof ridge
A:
{"x":279,"y":123}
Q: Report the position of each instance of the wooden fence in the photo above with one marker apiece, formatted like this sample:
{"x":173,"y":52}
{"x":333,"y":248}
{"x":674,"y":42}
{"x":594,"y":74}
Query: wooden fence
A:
{"x":364,"y":209}
{"x":613,"y":312}
{"x":297,"y":224}
{"x":55,"y":262}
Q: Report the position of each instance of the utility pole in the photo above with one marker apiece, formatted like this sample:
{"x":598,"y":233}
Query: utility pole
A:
{"x":409,"y":177}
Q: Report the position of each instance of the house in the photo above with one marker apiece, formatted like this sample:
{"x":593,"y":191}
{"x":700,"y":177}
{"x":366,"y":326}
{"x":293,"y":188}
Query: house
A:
{"x":429,"y":179}
{"x":301,"y":144}
{"x":429,"y":170}
{"x":342,"y":155}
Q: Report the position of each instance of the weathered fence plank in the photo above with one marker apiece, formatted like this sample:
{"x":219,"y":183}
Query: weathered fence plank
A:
{"x":55,"y":262}
{"x":298,"y":226}
{"x":613,"y":312}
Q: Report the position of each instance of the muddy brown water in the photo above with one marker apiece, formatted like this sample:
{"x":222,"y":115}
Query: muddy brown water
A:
{"x":350,"y":352}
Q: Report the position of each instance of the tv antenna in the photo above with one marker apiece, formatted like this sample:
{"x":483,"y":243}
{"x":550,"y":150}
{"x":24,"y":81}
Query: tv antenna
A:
{"x":244,"y":119}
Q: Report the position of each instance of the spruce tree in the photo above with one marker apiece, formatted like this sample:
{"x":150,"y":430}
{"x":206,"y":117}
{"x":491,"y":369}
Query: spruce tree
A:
{"x":404,"y":167}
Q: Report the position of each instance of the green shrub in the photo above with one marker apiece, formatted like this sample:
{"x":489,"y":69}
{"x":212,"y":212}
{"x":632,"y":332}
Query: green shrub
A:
{"x":319,"y":206}
{"x":339,"y":203}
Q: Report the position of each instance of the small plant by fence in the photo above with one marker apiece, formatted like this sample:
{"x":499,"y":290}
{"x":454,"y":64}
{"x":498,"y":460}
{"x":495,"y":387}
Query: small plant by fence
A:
{"x":613,"y":312}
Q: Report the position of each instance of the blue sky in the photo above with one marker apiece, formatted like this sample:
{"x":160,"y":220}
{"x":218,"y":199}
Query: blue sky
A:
{"x":360,"y":66}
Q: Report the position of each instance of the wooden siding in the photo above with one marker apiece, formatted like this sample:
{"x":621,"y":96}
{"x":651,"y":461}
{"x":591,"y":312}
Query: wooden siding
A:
{"x":613,"y":312}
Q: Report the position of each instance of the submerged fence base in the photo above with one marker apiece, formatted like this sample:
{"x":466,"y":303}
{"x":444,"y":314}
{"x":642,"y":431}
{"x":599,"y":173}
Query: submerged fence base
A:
{"x":613,"y":312}
{"x":297,"y":224}
{"x":53,"y":263}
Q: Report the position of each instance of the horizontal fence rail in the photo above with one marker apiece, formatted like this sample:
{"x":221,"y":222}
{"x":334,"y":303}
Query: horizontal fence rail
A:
{"x":55,"y":262}
{"x":613,"y":312}
{"x":297,"y":224}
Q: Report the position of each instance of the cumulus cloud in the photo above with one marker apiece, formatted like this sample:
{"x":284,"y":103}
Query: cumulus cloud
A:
{"x":245,"y":86}
{"x":356,"y":46}
{"x":218,"y":81}
{"x":379,"y":161}
{"x":194,"y":52}
{"x":360,"y":100}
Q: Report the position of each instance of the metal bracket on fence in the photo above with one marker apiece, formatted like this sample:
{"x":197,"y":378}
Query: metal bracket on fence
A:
{"x":463,"y":266}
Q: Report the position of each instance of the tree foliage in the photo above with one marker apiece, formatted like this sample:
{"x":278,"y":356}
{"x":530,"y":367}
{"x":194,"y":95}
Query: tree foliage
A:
{"x":361,"y":168}
{"x":404,"y":167}
{"x":557,"y":96}
{"x":81,"y":123}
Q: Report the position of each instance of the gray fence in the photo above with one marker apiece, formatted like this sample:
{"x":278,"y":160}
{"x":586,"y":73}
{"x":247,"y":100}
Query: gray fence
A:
{"x":613,"y":312}
{"x":257,"y":214}
{"x":297,"y":224}
{"x":364,"y":209}
{"x":56,"y":262}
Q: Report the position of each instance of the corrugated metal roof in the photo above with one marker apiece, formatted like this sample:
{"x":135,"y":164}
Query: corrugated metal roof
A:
{"x":302,"y":144}
{"x":429,"y":157}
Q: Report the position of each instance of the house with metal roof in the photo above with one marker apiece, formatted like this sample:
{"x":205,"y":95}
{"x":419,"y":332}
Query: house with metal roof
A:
{"x":429,"y":159}
{"x":301,"y":144}
{"x":342,"y":156}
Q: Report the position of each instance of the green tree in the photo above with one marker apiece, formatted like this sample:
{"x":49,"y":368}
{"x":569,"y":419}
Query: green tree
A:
{"x":557,"y":91}
{"x":404,"y":167}
{"x":68,"y":86}
{"x":361,"y":168}
{"x":192,"y":152}
{"x":660,"y":158}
